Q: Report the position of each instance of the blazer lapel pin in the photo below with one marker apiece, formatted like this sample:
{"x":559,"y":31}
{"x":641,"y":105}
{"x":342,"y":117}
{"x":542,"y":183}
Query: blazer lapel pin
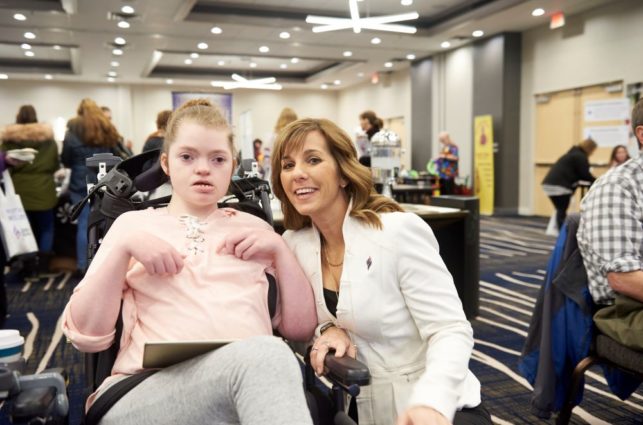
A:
{"x":369,"y":261}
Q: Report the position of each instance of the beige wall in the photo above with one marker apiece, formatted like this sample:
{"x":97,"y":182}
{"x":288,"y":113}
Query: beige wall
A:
{"x":599,"y":46}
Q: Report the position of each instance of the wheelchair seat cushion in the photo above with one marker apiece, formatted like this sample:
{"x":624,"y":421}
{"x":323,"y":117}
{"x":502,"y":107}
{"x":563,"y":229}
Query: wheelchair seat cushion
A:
{"x":622,"y":356}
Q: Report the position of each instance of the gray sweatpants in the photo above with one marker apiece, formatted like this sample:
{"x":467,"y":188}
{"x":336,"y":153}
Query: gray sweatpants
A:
{"x":254,"y":381}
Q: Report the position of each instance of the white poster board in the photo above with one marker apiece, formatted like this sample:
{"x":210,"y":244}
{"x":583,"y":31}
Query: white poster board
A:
{"x":607,"y":110}
{"x":609,"y":135}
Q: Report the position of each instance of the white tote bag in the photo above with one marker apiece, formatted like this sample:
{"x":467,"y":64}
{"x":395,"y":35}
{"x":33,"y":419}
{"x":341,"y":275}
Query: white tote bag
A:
{"x":15,"y":231}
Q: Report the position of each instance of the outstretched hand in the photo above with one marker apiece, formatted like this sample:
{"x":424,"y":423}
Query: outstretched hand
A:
{"x":422,"y":415}
{"x":158,"y":256}
{"x":336,"y":339}
{"x":248,"y":243}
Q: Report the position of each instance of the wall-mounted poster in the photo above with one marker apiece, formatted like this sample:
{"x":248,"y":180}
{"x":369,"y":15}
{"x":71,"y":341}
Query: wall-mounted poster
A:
{"x":222,"y":100}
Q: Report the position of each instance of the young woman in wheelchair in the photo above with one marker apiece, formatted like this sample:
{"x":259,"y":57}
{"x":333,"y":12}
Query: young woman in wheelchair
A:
{"x":171,"y":270}
{"x":383,"y":293}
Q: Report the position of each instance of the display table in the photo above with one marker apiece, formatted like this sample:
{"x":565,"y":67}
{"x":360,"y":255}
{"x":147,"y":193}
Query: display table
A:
{"x":456,"y":227}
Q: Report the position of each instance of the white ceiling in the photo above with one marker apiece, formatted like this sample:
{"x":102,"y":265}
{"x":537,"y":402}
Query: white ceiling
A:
{"x":75,"y":38}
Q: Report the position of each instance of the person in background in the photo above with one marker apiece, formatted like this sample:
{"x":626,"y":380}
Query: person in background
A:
{"x":156,"y":139}
{"x":90,"y":132}
{"x":447,"y":163}
{"x":383,"y":293}
{"x":122,"y":148}
{"x":370,"y":124}
{"x":178,"y":278}
{"x":619,"y":156}
{"x":563,"y":177}
{"x":34,"y":181}
{"x":5,"y":162}
{"x":610,"y":239}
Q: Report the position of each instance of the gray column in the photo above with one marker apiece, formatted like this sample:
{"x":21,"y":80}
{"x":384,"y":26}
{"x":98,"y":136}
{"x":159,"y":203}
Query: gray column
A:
{"x":421,"y":97}
{"x":496,"y":91}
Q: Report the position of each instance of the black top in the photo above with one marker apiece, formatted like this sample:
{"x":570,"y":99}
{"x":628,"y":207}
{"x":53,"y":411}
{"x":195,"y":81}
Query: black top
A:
{"x":569,"y":169}
{"x":331,"y":298}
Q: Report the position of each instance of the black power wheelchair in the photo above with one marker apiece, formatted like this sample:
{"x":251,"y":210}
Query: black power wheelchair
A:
{"x":118,"y":187}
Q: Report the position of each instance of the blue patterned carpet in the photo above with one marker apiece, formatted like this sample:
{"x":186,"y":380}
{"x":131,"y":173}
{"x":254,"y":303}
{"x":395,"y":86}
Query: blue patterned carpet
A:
{"x":513,"y":256}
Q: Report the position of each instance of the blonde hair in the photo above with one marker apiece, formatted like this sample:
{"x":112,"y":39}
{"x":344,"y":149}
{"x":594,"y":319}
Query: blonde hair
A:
{"x":286,"y":116}
{"x":360,"y":189}
{"x":97,"y":129}
{"x":202,"y":112}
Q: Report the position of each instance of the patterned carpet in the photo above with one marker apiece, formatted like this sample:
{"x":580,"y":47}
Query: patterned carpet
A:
{"x":513,"y":255}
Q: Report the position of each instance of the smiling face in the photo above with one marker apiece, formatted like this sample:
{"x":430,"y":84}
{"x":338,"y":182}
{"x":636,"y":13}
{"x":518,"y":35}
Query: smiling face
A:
{"x":621,"y":155}
{"x":199,"y":163}
{"x":311,"y":180}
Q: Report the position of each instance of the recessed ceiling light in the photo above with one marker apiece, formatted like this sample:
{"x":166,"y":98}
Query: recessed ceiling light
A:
{"x":477,"y":33}
{"x":48,"y":77}
{"x":221,"y":63}
{"x":123,"y":24}
{"x":19,"y":17}
{"x":194,"y":55}
{"x":324,"y":86}
{"x":120,"y":41}
{"x":253,"y":64}
{"x":410,"y":56}
{"x":112,"y":73}
{"x":283,"y":66}
{"x":4,"y":77}
{"x":296,"y":28}
{"x":284,"y":34}
{"x":202,"y":45}
{"x":26,"y":46}
{"x":406,"y":2}
{"x":337,"y":82}
{"x":117,"y":52}
{"x":111,"y":79}
{"x":264,"y":49}
{"x":388,"y":65}
{"x":294,"y":60}
{"x":57,"y":47}
{"x":30,"y":35}
{"x":29,"y":53}
{"x":169,"y":81}
{"x":445,"y":44}
{"x":360,"y":74}
{"x":347,"y":53}
{"x":296,"y":44}
{"x":216,"y":30}
{"x":114,"y":64}
{"x":127,"y":9}
{"x":376,"y":40}
{"x":538,"y":12}
{"x":188,"y":61}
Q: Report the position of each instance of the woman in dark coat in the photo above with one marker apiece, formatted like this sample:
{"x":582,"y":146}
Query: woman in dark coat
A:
{"x":563,"y":177}
{"x":88,"y":133}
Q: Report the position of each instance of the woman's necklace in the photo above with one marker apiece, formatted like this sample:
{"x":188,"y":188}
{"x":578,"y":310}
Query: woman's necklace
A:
{"x":328,"y":264}
{"x":325,"y":252}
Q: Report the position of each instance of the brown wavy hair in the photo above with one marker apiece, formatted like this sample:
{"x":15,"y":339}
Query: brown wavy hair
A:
{"x":26,"y":115}
{"x":286,"y":116}
{"x":96,"y":128}
{"x":199,"y":111}
{"x":367,"y":203}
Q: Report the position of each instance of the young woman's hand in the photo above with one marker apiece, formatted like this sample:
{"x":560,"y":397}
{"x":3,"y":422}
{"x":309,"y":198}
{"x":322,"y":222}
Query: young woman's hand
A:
{"x":248,"y":243}
{"x":155,"y":254}
{"x":422,"y":415}
{"x":333,"y":338}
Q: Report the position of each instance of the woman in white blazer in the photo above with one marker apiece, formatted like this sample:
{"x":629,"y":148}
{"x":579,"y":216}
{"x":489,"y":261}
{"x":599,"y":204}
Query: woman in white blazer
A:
{"x":383,"y":294}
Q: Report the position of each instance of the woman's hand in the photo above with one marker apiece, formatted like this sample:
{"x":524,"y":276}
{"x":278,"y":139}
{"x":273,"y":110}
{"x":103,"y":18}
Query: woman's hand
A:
{"x":422,"y":415}
{"x":155,"y":254}
{"x":334,"y":338}
{"x":248,"y":243}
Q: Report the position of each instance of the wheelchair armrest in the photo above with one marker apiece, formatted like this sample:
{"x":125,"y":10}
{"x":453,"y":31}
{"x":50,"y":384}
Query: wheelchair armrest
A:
{"x":347,"y":371}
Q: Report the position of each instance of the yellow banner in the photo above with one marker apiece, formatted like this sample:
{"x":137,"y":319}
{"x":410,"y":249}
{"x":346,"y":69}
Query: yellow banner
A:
{"x":483,"y":162}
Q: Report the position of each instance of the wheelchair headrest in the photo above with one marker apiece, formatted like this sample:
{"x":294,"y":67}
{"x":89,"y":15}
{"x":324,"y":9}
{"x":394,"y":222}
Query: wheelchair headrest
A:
{"x":145,"y":169}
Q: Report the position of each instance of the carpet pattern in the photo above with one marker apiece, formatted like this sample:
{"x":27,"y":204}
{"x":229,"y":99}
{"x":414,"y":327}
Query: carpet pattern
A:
{"x":513,"y":256}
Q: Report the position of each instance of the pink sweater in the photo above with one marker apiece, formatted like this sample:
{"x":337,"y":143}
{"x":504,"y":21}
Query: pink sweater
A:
{"x":213,"y":297}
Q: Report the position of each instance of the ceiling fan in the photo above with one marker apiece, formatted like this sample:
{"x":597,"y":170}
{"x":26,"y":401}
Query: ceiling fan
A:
{"x":377,"y":23}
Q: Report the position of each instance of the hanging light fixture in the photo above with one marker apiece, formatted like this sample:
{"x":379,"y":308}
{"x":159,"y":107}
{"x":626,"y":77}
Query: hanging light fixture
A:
{"x":240,"y":82}
{"x":377,"y":23}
